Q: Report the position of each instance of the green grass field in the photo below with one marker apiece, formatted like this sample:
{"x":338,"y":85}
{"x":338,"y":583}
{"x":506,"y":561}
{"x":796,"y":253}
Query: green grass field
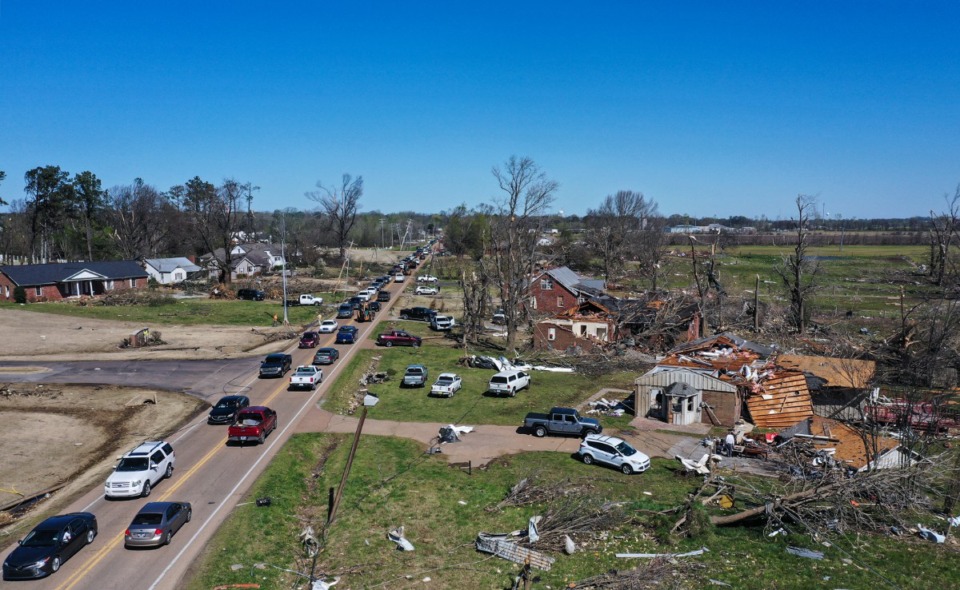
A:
{"x":394,"y":483}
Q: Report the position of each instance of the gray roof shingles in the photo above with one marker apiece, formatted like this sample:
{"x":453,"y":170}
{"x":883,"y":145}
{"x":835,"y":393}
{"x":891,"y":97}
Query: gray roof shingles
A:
{"x":26,"y":275}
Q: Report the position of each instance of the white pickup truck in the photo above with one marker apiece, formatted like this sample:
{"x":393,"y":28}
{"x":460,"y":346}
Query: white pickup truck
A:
{"x":306,"y":377}
{"x":308,"y":299}
{"x":446,"y":385}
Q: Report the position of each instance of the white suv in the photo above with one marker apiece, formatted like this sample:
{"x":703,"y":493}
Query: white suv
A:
{"x":140,"y":469}
{"x":614,"y":452}
{"x":508,"y":382}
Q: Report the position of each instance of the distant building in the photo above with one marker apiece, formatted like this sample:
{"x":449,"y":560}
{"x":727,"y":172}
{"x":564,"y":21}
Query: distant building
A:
{"x":64,"y":280}
{"x":170,"y":271}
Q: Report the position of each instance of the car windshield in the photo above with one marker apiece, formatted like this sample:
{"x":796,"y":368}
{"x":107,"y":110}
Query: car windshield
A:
{"x":41,"y":538}
{"x":147,"y":518}
{"x":133,"y":464}
{"x":414,"y":371}
{"x":626,"y":450}
{"x":445,"y":380}
{"x":227,"y":403}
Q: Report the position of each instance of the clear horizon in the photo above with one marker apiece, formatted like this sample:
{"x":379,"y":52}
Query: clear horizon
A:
{"x":709,"y":110}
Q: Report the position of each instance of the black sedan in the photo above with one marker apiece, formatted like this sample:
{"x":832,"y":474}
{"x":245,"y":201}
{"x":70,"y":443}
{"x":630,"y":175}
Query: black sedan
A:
{"x":156,"y":523}
{"x":326,"y":356}
{"x":47,"y":546}
{"x":226,"y":409}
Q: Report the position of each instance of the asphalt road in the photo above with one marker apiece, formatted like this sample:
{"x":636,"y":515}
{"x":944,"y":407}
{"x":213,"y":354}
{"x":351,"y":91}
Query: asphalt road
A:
{"x":210,"y":475}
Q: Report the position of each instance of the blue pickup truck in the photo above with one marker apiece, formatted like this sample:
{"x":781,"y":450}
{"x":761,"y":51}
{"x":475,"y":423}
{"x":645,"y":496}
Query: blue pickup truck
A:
{"x":561,"y":421}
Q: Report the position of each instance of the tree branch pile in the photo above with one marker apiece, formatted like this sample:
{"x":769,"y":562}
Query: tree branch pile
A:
{"x":528,"y":491}
{"x":575,"y":516}
{"x":660,"y":573}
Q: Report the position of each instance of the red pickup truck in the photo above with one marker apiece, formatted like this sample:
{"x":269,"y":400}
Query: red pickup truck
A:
{"x":253,"y":423}
{"x":398,"y":338}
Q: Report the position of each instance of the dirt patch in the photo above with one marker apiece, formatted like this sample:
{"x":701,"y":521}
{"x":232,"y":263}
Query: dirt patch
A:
{"x":28,"y":335}
{"x":72,"y":434}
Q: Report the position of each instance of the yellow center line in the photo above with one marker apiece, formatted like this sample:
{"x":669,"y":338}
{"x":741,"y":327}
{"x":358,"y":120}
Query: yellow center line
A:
{"x":75,"y":578}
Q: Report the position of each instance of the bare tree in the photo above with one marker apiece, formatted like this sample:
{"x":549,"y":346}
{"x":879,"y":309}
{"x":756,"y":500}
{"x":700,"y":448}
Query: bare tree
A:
{"x":216,"y":214}
{"x":89,"y":197}
{"x":799,"y":272}
{"x":514,"y":231}
{"x":944,"y":227}
{"x":340,"y":205}
{"x":615,"y":225}
{"x":140,"y":218}
{"x":476,"y":292}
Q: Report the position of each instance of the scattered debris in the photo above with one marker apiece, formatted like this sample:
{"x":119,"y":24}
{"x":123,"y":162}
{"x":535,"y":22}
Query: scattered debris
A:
{"x":370,"y":399}
{"x":699,"y":551}
{"x":264,"y":501}
{"x":569,"y":547}
{"x":499,"y":545}
{"x":396,"y":535}
{"x":321,"y":585}
{"x":700,"y":467}
{"x":930,"y":535}
{"x":807,"y":553}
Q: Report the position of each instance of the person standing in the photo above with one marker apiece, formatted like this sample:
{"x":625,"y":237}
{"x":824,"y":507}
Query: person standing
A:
{"x":728,"y":444}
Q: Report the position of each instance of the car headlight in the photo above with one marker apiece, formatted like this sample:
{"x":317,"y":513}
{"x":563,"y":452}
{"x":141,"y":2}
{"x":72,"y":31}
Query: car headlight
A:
{"x":41,"y":563}
{"x":136,"y":483}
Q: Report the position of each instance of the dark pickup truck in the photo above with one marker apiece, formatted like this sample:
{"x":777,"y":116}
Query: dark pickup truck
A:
{"x":561,"y":421}
{"x":417,"y":313}
{"x":398,"y":338}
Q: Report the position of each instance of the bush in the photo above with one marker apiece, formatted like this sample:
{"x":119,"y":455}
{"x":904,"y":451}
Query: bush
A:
{"x":19,"y":295}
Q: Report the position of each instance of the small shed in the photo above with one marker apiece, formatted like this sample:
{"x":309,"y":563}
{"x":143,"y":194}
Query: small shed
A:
{"x":653,"y":393}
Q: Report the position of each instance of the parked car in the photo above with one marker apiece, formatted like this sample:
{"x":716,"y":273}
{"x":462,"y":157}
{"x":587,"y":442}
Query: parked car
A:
{"x":426,"y":290}
{"x":49,"y":545}
{"x":306,"y":377}
{"x":345,"y":311}
{"x":346,"y":335}
{"x":309,"y":340}
{"x":398,"y":338}
{"x":561,"y":421}
{"x":508,"y":382}
{"x":442,"y":323}
{"x":446,"y":385}
{"x":422,"y":314}
{"x":328,"y":326}
{"x":253,"y":424}
{"x":308,"y":299}
{"x":614,"y":452}
{"x":398,"y":278}
{"x":156,"y":523}
{"x":140,"y":469}
{"x":251,"y":294}
{"x":326,"y":356}
{"x":499,"y":317}
{"x":225,"y":412}
{"x":415,"y":376}
{"x":276,"y":365}
{"x":383,"y":295}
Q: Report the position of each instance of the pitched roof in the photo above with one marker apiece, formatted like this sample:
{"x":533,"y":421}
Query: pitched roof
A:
{"x":58,"y":272}
{"x":780,"y":399}
{"x":572,"y":282}
{"x":171,"y":264}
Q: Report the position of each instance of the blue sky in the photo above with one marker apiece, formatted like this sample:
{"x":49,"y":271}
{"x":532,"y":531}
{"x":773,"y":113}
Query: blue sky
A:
{"x":708,"y":108}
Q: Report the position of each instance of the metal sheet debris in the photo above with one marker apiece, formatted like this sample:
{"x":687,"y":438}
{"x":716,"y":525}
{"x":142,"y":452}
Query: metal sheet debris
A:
{"x":808,"y":553}
{"x":699,"y":551}
{"x":501,"y":547}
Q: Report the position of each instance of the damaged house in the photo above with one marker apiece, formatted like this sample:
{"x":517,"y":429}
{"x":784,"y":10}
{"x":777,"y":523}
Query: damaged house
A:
{"x":555,"y":290}
{"x":716,"y":379}
{"x":245,"y":260}
{"x":843,"y":445}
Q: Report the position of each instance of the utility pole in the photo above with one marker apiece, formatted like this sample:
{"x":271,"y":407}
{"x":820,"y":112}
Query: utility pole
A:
{"x":283,"y":267}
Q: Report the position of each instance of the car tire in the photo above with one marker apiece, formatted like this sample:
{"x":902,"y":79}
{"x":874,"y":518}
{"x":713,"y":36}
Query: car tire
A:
{"x":260,"y":440}
{"x":55,"y":564}
{"x":167,"y":538}
{"x":587,"y":459}
{"x":189,"y":515}
{"x":540,"y":432}
{"x":146,"y":489}
{"x":91,"y":535}
{"x":404,"y":317}
{"x":388,"y":344}
{"x":513,"y":393}
{"x":626,"y":469}
{"x":415,"y":345}
{"x":169,"y":472}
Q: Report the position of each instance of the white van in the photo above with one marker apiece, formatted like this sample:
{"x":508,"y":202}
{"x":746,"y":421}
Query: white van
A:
{"x":508,"y":382}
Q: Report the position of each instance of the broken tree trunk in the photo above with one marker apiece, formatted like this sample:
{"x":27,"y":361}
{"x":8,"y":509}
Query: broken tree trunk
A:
{"x":744,"y":515}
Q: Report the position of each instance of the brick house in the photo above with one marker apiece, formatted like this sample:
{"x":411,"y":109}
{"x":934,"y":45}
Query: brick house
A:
{"x":245,"y":260}
{"x":63,"y":280}
{"x":558,"y":289}
{"x":582,"y":327}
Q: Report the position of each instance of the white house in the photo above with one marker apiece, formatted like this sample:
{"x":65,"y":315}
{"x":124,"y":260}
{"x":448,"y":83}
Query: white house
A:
{"x":169,"y":271}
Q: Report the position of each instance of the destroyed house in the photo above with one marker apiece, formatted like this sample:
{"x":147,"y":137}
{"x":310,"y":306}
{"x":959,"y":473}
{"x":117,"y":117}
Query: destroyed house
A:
{"x":837,"y":386}
{"x":731,"y":374}
{"x":847,"y":446}
{"x":585,"y":326}
{"x":558,"y":289}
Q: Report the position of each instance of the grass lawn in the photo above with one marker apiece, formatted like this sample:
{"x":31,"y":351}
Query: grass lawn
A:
{"x":394,"y":483}
{"x":167,"y":310}
{"x":471,"y":405}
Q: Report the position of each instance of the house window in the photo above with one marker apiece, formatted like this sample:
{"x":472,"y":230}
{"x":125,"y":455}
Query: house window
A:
{"x":583,"y":330}
{"x":551,"y":334}
{"x":533,"y":303}
{"x":546,"y":284}
{"x":133,"y":283}
{"x":38,"y":291}
{"x":108,"y":285}
{"x":560,"y":301}
{"x":602,"y":334}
